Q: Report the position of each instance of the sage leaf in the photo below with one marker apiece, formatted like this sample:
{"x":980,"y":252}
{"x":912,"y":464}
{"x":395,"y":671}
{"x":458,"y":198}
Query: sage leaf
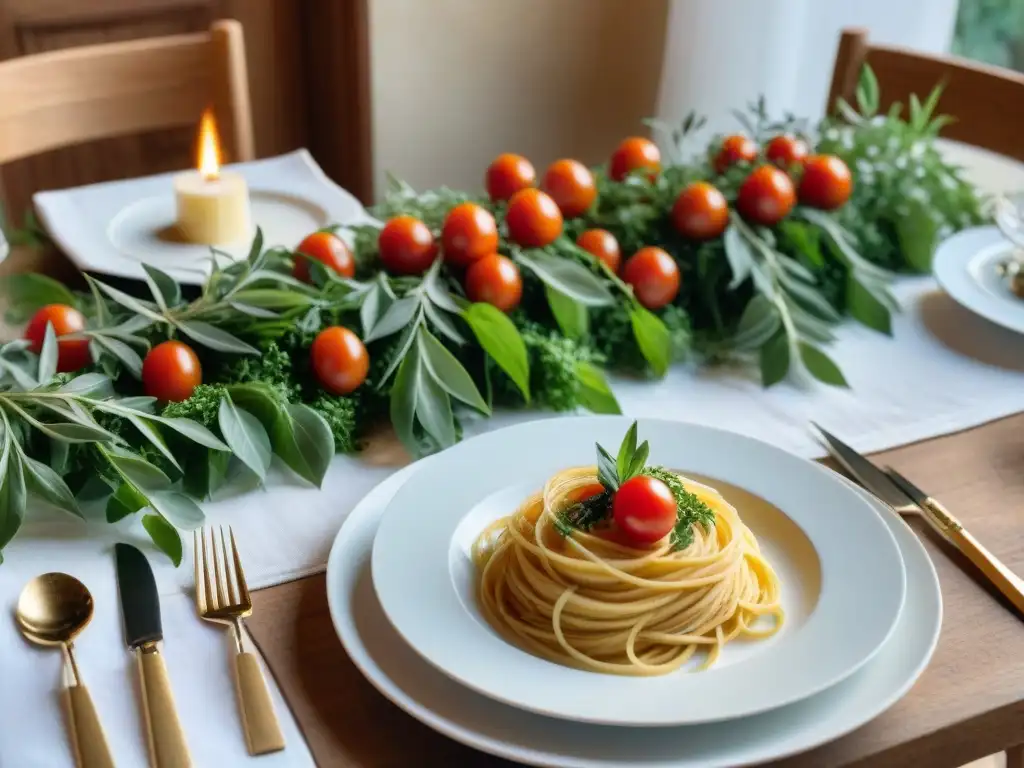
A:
{"x":397,"y":316}
{"x":150,"y":432}
{"x":12,"y":491}
{"x":774,"y":359}
{"x":448,"y":372}
{"x":48,"y":355}
{"x":60,"y":451}
{"x":402,"y":406}
{"x":865,"y":308}
{"x":128,"y":302}
{"x":653,"y":339}
{"x":165,"y":536}
{"x":261,"y":401}
{"x":568,"y":277}
{"x":626,"y":450}
{"x":94,"y":385}
{"x":78,"y":431}
{"x":125,"y":501}
{"x":22,"y":377}
{"x":142,"y":403}
{"x":256,"y":249}
{"x":758,"y":323}
{"x":434,"y":411}
{"x":571,"y":316}
{"x":867,"y":92}
{"x":44,"y":482}
{"x":253,"y":311}
{"x":271,"y":298}
{"x":307,"y":442}
{"x":595,"y":394}
{"x":27,"y":292}
{"x":500,"y":339}
{"x":245,"y":436}
{"x":405,"y":343}
{"x":740,"y":256}
{"x":138,"y":471}
{"x":194,"y":431}
{"x":127,"y":356}
{"x":178,"y":509}
{"x":215,"y":338}
{"x":805,"y":239}
{"x":442,"y":323}
{"x":809,"y":297}
{"x":281,"y":278}
{"x":375,"y":303}
{"x":821,"y":366}
{"x":165,"y":290}
{"x":917,"y":234}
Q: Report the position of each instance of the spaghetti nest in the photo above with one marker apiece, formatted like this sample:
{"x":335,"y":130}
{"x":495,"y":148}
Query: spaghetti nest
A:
{"x":588,"y":600}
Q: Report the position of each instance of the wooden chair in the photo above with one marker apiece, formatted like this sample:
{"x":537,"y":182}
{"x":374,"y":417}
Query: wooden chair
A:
{"x":75,"y":95}
{"x":987,"y":102}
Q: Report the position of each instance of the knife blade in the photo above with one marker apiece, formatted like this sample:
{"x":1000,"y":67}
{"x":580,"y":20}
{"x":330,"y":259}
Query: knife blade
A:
{"x":863,"y":471}
{"x":140,"y":614}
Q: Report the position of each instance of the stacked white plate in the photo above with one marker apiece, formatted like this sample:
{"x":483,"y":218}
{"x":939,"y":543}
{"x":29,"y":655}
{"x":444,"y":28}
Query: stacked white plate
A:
{"x":861,"y":597}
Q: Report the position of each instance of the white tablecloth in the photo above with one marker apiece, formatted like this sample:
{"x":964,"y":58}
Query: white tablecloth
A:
{"x":943,"y":370}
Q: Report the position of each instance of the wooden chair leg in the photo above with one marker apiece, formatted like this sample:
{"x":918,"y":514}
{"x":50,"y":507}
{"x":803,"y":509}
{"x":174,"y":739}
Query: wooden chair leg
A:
{"x":1015,"y":757}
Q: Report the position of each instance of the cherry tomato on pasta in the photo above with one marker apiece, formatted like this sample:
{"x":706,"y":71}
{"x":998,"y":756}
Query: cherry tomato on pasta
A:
{"x":507,"y":175}
{"x":339,"y":359}
{"x":171,"y":371}
{"x":72,"y":354}
{"x":644,"y":509}
{"x":406,"y":246}
{"x":327,"y":248}
{"x":469,"y":233}
{"x":602,"y":244}
{"x":494,"y":279}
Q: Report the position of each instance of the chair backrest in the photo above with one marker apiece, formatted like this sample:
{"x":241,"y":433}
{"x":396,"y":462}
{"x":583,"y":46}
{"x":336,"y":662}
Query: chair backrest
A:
{"x":66,"y":97}
{"x":987,"y":103}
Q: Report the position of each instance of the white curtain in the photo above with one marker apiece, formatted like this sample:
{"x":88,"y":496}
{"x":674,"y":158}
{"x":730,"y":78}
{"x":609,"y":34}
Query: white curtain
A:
{"x":722,"y":54}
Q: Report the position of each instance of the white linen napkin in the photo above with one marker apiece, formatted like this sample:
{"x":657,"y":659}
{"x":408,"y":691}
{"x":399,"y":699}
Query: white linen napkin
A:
{"x":199,"y":657}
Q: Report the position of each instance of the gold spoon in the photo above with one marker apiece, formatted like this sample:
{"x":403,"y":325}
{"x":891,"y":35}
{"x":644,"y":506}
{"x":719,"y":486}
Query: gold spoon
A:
{"x":52,"y":610}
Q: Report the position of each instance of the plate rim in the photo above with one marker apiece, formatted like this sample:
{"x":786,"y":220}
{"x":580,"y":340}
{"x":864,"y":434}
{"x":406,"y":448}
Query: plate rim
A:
{"x":955,"y":279}
{"x":339,"y":600}
{"x":582,"y":702}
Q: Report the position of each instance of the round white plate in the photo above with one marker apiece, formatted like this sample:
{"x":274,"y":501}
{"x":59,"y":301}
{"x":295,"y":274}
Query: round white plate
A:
{"x":841,"y":605}
{"x":435,"y":700}
{"x":965,"y":267}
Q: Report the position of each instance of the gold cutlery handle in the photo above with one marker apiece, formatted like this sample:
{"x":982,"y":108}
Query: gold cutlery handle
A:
{"x":1005,"y":580}
{"x":87,"y":738}
{"x":262,"y":731}
{"x":167,"y":746}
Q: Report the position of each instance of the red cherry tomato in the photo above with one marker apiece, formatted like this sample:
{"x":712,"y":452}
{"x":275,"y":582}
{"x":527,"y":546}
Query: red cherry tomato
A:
{"x":507,"y":175}
{"x":533,"y":218}
{"x":700,"y":212}
{"x":826,"y":182}
{"x":644,"y":509}
{"x":171,"y":371}
{"x":339,"y":359}
{"x":633,"y":153}
{"x":786,"y":151}
{"x":571,"y":185}
{"x":406,"y":246}
{"x":469,"y":232}
{"x":602,"y":244}
{"x":494,"y":279}
{"x":327,"y":248}
{"x":735,"y":149}
{"x":766,"y":196}
{"x":654,"y":276}
{"x":72,"y":354}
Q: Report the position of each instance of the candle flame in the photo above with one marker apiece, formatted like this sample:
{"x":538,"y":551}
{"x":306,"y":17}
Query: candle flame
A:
{"x":209,"y":147}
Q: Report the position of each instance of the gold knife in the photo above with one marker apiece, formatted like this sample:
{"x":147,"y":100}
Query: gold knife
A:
{"x":905,"y":498}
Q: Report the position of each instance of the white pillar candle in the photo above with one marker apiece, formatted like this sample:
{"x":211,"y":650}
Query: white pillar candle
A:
{"x":212,"y":211}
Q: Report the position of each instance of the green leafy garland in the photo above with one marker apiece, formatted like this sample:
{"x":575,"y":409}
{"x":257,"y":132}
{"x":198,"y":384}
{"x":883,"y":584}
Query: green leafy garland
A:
{"x":767,"y":295}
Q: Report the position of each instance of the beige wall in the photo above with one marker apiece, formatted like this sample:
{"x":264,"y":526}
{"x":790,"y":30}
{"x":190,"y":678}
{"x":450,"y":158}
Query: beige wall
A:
{"x":455,"y":82}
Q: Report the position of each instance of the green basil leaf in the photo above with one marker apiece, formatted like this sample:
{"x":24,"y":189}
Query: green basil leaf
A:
{"x":43,"y":482}
{"x":125,"y":501}
{"x":127,"y":356}
{"x":864,"y":307}
{"x":653,"y":338}
{"x":194,"y":431}
{"x":500,"y":339}
{"x":821,"y":366}
{"x":178,"y":509}
{"x":28,"y":292}
{"x":804,"y":239}
{"x":626,"y":450}
{"x":607,"y":474}
{"x":94,"y":385}
{"x":48,"y":355}
{"x":215,"y":338}
{"x":571,"y":316}
{"x":138,"y":471}
{"x":568,"y":277}
{"x":165,"y":536}
{"x":246,"y":437}
{"x":165,"y":290}
{"x":12,"y":492}
{"x":595,"y":394}
{"x":774,"y":359}
{"x":867,"y":92}
{"x":398,"y":315}
{"x":448,"y":372}
{"x":639,"y":460}
{"x":917,"y":233}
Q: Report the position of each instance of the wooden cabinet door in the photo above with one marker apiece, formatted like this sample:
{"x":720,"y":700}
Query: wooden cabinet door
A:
{"x":273,"y":34}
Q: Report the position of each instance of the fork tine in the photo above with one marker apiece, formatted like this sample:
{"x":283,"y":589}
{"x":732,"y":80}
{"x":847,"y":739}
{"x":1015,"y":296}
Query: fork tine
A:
{"x":200,"y":595}
{"x":239,"y":573}
{"x":211,"y":595}
{"x":218,"y":566}
{"x":230,"y":577}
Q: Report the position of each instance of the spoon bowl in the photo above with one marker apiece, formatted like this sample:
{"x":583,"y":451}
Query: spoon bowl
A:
{"x":53,"y":609}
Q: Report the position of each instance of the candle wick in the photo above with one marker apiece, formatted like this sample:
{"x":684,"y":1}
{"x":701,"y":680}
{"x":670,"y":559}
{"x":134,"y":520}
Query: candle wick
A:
{"x":211,"y":176}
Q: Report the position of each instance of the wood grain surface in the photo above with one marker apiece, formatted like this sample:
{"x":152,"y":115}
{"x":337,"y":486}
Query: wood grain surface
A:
{"x":969,"y":703}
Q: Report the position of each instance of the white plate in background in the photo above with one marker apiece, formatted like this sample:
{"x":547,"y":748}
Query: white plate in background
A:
{"x":425,"y":580}
{"x":442,"y":704}
{"x":115,"y":227}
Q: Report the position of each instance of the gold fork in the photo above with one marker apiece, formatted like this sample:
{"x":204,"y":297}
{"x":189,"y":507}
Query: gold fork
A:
{"x":223,"y":597}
